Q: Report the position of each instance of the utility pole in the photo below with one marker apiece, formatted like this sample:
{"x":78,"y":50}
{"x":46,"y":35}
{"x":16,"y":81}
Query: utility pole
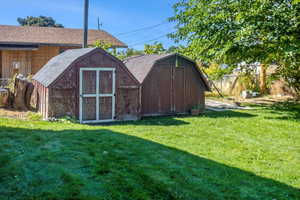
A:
{"x":86,"y":21}
{"x":98,"y":23}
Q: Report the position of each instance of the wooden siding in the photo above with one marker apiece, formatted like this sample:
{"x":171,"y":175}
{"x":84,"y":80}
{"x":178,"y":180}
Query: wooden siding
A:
{"x":30,"y":61}
{"x":11,"y":57}
{"x":41,"y":56}
{"x":171,"y":89}
{"x":41,"y":95}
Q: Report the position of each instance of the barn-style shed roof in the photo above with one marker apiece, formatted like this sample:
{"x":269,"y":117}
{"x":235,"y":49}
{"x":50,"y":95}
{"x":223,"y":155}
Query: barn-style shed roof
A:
{"x":58,"y":64}
{"x":140,"y":66}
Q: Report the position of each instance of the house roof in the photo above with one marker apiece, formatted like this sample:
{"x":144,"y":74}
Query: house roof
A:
{"x":53,"y":36}
{"x":140,"y":66}
{"x":58,"y":64}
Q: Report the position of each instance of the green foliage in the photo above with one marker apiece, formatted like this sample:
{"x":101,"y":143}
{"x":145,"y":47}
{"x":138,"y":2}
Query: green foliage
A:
{"x":128,"y":53}
{"x":291,"y":74}
{"x":156,"y":48}
{"x":216,"y":72}
{"x":68,"y":120}
{"x":32,"y":116}
{"x":172,"y":49}
{"x":247,"y":81}
{"x":11,"y":83}
{"x":235,"y":31}
{"x":119,"y":54}
{"x":103,"y":45}
{"x":41,"y":21}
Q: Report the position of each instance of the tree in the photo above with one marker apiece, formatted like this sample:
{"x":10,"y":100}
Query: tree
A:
{"x":173,"y":49}
{"x":129,"y":53}
{"x":113,"y":51}
{"x":222,"y":31}
{"x":156,"y":48}
{"x":216,"y":71}
{"x":103,"y":45}
{"x":41,"y":21}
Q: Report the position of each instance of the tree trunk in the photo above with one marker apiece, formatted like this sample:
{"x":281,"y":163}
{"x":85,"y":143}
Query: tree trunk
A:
{"x":22,"y":93}
{"x":263,"y":78}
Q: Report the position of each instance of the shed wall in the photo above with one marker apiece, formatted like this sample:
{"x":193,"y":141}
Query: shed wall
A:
{"x":40,"y":98}
{"x":172,"y":87}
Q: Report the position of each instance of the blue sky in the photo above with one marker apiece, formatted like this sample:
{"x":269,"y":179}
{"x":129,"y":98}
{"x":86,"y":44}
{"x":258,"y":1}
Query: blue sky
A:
{"x":117,"y":16}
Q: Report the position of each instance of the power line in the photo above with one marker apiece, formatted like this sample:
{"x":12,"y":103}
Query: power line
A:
{"x":141,"y":42}
{"x":144,"y":28}
{"x":146,"y":33}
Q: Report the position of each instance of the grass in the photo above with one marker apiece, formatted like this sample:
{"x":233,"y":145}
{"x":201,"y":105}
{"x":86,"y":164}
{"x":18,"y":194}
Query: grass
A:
{"x":252,"y":154}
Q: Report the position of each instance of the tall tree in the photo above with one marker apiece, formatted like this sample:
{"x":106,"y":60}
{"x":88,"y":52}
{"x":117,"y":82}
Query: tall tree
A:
{"x":39,"y":21}
{"x":233,"y":31}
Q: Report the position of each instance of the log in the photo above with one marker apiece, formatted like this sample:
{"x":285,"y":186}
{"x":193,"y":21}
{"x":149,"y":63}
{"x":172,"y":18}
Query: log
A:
{"x":23,"y":89}
{"x":28,"y":95}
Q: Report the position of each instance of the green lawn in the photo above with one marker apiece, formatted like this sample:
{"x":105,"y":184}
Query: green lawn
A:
{"x":252,"y":154}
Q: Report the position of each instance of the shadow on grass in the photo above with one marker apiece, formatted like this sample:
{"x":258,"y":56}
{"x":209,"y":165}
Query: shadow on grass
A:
{"x":228,"y":114}
{"x":289,"y":110}
{"x":175,"y":120}
{"x":155,"y":121}
{"x":102,"y":164}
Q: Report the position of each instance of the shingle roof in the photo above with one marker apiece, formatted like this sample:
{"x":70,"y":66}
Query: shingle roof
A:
{"x":54,"y":36}
{"x":58,"y":64}
{"x":140,"y":66}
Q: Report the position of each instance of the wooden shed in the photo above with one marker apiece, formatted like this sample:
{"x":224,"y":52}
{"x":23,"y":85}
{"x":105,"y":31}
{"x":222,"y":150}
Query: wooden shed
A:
{"x":89,"y":84}
{"x":170,"y":83}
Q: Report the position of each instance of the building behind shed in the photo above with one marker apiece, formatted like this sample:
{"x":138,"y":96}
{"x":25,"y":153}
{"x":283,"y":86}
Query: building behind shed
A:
{"x":88,"y":84}
{"x":171,"y":83}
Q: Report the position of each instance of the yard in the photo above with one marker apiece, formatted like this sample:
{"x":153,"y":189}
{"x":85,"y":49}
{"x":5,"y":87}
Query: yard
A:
{"x":249,"y":154}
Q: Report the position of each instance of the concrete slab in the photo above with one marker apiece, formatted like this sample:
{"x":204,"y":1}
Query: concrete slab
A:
{"x":223,"y":106}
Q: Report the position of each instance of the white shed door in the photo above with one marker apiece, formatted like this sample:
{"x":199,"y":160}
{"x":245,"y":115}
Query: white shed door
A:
{"x":97,"y":95}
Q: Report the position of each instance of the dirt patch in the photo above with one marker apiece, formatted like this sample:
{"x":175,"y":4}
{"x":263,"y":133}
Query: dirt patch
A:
{"x":11,"y":113}
{"x":265,"y":100}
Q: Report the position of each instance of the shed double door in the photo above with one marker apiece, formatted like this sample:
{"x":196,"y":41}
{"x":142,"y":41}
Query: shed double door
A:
{"x":164,"y":92}
{"x":97,"y":95}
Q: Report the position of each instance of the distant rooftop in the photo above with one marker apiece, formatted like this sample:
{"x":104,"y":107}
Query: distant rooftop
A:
{"x":53,"y":36}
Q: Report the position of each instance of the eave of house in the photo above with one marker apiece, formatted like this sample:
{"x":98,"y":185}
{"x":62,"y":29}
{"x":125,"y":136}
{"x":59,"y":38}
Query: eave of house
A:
{"x":2,"y":44}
